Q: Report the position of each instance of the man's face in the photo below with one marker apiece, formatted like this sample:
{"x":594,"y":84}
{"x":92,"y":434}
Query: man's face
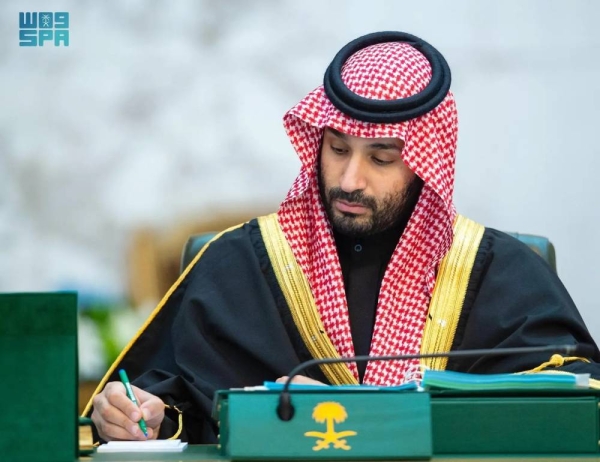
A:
{"x":365,"y":186}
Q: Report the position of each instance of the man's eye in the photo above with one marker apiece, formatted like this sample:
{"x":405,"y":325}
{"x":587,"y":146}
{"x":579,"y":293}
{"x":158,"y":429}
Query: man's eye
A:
{"x":338,"y":150}
{"x":378,"y":161}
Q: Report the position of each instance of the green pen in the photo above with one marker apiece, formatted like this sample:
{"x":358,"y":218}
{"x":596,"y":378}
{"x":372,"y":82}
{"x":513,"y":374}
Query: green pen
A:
{"x":131,"y":396}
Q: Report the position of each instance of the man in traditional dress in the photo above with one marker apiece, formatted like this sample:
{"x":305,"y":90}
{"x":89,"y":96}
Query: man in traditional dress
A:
{"x":366,"y":255}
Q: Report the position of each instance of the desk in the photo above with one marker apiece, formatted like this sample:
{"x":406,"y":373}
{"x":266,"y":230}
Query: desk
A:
{"x":209,"y":453}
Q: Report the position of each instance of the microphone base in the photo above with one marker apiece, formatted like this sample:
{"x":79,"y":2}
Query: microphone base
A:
{"x":285,"y":408}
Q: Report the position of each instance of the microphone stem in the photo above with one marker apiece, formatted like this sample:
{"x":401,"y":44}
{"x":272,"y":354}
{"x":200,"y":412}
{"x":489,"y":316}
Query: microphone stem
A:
{"x":566,"y":349}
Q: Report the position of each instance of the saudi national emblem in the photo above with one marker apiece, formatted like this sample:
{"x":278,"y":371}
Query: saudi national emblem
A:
{"x":330,"y":412}
{"x":45,"y":20}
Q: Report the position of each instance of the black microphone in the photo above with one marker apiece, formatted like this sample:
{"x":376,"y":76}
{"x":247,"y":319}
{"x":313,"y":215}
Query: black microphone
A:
{"x":285,"y":408}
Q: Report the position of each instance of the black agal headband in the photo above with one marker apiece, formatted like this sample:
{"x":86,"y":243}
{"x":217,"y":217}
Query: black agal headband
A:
{"x":387,"y":111}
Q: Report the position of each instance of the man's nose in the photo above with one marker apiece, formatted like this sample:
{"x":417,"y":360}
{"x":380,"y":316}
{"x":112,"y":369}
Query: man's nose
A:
{"x":353,"y":176}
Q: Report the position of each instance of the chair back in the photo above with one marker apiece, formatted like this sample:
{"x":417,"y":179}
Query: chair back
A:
{"x":539,"y":244}
{"x":194,"y":245}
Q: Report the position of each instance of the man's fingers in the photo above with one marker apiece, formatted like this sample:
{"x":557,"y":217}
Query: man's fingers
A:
{"x":113,"y":424}
{"x":110,"y":431}
{"x":151,"y":406}
{"x":117,"y":397}
{"x":117,"y":417}
{"x":109,"y":414}
{"x":143,"y":396}
{"x":300,"y":379}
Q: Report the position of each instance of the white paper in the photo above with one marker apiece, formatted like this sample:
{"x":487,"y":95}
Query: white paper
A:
{"x":143,"y":446}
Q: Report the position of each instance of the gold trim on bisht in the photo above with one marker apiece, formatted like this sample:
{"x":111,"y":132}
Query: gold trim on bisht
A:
{"x":299,"y":298}
{"x":179,"y":421}
{"x":151,"y":318}
{"x":449,"y":291}
{"x":557,"y":360}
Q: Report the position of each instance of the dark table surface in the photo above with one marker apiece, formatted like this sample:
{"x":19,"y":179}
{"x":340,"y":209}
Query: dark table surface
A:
{"x":209,"y":453}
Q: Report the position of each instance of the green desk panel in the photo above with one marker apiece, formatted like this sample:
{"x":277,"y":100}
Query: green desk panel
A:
{"x":38,"y":360}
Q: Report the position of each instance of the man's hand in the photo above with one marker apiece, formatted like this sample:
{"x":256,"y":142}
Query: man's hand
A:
{"x":116,"y":417}
{"x":300,"y":379}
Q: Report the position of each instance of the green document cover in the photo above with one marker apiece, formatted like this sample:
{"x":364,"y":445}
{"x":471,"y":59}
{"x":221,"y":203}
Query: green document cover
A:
{"x":38,"y":384}
{"x":328,"y":424}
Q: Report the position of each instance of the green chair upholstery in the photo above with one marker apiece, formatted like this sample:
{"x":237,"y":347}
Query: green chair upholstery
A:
{"x":539,"y":244}
{"x":194,"y":245}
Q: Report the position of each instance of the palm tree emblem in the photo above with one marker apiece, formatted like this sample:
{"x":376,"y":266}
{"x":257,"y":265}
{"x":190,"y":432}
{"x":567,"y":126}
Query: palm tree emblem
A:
{"x":330,"y":412}
{"x":45,"y":20}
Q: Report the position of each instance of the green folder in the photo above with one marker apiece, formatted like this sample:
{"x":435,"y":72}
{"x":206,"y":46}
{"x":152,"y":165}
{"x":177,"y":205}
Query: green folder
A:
{"x":38,"y":384}
{"x":327,"y":425}
{"x":396,"y":425}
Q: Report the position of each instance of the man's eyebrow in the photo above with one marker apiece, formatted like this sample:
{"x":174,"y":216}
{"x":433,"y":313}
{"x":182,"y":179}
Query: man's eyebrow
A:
{"x":380,"y":145}
{"x":376,"y":145}
{"x":333,"y":131}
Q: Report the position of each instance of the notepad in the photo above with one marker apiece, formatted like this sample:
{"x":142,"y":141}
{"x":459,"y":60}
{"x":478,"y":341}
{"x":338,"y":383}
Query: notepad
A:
{"x":540,"y":381}
{"x":143,"y":446}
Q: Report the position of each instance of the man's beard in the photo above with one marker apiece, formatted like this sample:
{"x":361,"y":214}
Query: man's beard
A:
{"x":394,"y":210}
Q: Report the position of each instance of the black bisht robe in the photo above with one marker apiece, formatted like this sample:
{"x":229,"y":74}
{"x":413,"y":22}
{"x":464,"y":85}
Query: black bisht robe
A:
{"x":227,"y":324}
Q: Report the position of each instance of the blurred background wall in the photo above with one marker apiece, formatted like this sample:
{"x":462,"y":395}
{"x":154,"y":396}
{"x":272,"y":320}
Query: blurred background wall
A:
{"x":162,"y":115}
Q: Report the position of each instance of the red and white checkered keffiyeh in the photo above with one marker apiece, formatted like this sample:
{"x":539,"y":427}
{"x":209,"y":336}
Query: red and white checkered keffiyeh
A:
{"x":386,"y":71}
